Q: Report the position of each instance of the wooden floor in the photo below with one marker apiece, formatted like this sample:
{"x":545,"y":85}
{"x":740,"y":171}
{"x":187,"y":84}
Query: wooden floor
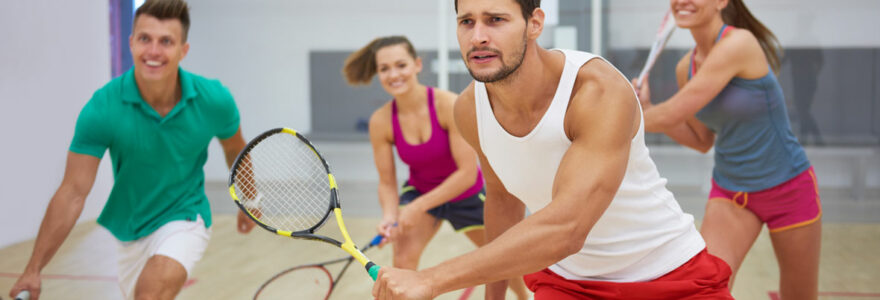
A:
{"x":235,"y":265}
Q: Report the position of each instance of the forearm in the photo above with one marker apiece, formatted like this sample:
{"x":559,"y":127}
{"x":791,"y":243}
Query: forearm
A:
{"x":511,"y":254}
{"x":61,"y":216}
{"x":388,"y":200}
{"x":661,"y":118}
{"x":454,"y":185}
{"x":230,"y":158}
{"x":498,"y":219}
{"x":690,"y":135}
{"x":232,"y":147}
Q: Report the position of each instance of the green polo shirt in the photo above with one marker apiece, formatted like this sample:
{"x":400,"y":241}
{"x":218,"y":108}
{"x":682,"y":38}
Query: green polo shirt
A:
{"x":157,"y":161}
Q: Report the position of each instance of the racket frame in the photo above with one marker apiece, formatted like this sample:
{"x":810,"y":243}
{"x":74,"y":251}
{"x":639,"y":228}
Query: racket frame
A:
{"x":664,"y":33}
{"x":321,"y":266}
{"x":307,"y":234}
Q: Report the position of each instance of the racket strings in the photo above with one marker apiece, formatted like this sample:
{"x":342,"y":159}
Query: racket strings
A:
{"x":283,"y":183}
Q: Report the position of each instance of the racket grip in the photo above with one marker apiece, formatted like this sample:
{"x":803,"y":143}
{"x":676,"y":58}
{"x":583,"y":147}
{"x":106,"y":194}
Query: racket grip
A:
{"x":373,"y":269}
{"x":376,"y":240}
{"x":26,"y":295}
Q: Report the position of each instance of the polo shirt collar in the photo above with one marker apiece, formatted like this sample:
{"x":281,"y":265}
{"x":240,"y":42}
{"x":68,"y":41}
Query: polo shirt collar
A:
{"x":131,"y":93}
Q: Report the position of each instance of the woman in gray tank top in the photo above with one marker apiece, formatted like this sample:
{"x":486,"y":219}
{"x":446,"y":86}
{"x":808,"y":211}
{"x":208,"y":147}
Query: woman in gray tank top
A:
{"x":729,"y":97}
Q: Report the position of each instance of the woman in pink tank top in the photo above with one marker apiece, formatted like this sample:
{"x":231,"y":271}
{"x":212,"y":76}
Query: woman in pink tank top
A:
{"x":445,"y":182}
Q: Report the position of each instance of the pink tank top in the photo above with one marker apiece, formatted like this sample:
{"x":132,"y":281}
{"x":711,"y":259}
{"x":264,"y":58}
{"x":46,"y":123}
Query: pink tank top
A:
{"x":430,"y":162}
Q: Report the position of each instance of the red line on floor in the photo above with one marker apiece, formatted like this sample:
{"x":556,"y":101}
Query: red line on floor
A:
{"x":466,"y":294}
{"x":774,"y":295}
{"x":66,"y":277}
{"x":188,"y":283}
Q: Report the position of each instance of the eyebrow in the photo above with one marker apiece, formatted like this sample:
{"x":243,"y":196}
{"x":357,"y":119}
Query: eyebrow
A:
{"x":490,"y":14}
{"x":156,"y":36}
{"x":394,"y":62}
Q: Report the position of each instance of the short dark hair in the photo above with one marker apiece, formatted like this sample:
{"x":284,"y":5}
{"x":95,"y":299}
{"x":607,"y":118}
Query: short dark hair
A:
{"x":166,"y":9}
{"x":527,"y":7}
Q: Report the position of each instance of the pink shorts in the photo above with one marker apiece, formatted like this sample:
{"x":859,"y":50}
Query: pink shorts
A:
{"x":792,"y":204}
{"x":705,"y":276}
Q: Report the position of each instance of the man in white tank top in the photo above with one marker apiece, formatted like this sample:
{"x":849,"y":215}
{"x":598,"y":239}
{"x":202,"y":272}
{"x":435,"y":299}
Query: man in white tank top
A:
{"x":561,"y":133}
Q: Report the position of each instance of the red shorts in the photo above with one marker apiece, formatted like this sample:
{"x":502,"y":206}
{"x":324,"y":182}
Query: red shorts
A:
{"x":791,"y":204}
{"x":703,"y":277}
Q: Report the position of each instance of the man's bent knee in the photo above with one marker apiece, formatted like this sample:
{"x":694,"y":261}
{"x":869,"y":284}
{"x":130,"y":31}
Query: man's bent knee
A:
{"x":162,"y":278}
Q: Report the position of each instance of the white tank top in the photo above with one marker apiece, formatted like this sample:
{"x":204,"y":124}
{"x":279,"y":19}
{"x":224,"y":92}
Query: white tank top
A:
{"x":641,"y":236}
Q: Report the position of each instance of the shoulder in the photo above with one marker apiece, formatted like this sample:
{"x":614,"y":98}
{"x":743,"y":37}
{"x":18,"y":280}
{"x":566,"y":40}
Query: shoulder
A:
{"x":740,"y":35}
{"x":601,"y":94}
{"x":683,"y":66}
{"x":113,"y":89}
{"x":464,"y":109}
{"x":382,"y":112}
{"x":444,"y":98}
{"x":684,"y":62}
{"x":596,"y":78}
{"x":209,"y":89}
{"x":106,"y":99}
{"x":738,"y":43}
{"x":465,"y":116}
{"x":381,"y":118}
{"x":444,"y":103}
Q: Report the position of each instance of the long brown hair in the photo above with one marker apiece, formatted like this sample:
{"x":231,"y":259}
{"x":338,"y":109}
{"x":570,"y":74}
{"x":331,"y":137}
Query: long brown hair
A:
{"x":738,"y":15}
{"x":360,"y":66}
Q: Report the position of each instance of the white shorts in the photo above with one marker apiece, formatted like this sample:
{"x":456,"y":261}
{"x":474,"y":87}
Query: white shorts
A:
{"x":183,"y":241}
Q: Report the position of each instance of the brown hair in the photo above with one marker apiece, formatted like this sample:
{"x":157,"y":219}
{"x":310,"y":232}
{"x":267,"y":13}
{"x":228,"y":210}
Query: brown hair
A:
{"x":166,"y":9}
{"x":527,"y":7}
{"x":738,"y":15}
{"x":360,"y":66}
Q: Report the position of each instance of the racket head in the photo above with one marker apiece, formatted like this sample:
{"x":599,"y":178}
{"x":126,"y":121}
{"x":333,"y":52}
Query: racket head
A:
{"x":308,"y":282}
{"x":282,"y":182}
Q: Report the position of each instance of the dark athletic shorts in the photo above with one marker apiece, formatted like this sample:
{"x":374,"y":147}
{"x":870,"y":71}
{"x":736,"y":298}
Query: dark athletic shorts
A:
{"x":464,"y":215}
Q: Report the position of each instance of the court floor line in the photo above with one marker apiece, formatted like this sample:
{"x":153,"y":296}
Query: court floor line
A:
{"x":188,"y":283}
{"x":466,"y":294}
{"x":774,"y":295}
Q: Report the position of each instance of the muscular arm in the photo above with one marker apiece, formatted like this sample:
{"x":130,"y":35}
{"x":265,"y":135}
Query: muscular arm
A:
{"x":501,"y":210}
{"x":61,"y":215}
{"x":737,"y":55}
{"x":691,"y":133}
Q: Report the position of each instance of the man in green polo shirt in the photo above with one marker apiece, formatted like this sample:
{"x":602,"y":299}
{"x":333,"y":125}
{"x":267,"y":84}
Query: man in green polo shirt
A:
{"x":156,"y":120}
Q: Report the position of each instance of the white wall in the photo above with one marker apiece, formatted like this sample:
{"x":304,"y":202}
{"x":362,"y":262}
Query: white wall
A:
{"x":260,"y":50}
{"x":55,"y":55}
{"x":797,"y":23}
